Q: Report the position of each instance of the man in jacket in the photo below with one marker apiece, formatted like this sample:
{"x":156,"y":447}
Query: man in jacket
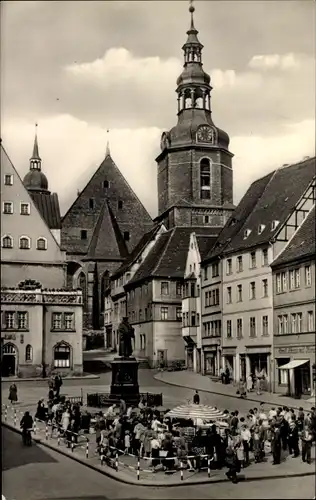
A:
{"x":307,"y":438}
{"x":276,"y":445}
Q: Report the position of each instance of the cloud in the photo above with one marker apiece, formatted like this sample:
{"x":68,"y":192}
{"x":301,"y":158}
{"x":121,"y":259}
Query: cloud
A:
{"x":272,"y":61}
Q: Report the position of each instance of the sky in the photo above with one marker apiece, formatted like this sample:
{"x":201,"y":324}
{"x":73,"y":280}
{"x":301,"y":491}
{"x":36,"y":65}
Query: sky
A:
{"x":80,"y":68}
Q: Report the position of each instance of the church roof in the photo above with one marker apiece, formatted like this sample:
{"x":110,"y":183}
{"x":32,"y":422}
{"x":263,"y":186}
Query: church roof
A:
{"x":167,"y":258}
{"x":205,"y":243}
{"x":112,"y":229}
{"x":107,"y":241}
{"x":271,"y":198}
{"x":48,"y":206}
{"x":302,"y":244}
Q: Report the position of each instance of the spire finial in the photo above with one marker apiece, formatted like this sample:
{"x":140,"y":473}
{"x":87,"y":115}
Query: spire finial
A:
{"x":107,"y":152}
{"x":35,"y":154}
{"x":191,"y":10}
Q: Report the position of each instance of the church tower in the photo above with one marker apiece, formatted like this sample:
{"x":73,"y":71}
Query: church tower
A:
{"x":195,"y":178}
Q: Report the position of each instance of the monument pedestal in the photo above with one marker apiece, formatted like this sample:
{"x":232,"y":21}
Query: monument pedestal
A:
{"x":125,"y":380}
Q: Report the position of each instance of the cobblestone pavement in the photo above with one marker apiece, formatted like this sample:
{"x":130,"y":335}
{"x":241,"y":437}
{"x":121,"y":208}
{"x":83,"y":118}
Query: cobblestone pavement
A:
{"x":127,"y":465}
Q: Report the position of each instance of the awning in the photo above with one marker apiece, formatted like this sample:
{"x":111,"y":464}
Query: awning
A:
{"x":189,"y":340}
{"x":293,"y":364}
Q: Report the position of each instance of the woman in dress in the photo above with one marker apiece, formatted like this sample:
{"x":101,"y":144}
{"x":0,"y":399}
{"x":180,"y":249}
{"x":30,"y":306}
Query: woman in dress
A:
{"x":65,"y":420}
{"x":13,"y":393}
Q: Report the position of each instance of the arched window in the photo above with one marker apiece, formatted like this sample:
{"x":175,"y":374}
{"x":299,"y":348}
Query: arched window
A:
{"x":205,"y":179}
{"x":7,"y":241}
{"x":62,"y":356}
{"x":25,"y":243}
{"x":29,"y":353}
{"x":83,"y":285}
{"x":41,"y":244}
{"x":9,"y":349}
{"x":105,"y":282}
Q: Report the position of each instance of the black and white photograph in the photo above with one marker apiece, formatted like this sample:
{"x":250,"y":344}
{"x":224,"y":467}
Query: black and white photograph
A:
{"x":158,"y":249}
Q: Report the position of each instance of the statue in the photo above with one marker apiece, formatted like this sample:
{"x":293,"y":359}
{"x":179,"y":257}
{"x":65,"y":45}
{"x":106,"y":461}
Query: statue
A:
{"x":126,"y":334}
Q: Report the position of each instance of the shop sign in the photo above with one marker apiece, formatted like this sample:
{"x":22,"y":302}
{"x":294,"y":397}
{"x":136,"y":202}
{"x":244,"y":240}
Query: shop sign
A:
{"x":228,"y":352}
{"x":296,"y":349}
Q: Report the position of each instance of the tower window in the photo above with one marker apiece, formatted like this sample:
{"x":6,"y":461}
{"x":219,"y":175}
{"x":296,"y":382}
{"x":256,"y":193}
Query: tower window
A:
{"x":126,"y":235}
{"x":206,"y":219}
{"x":91,"y":203}
{"x":83,"y":234}
{"x":205,"y":179}
{"x":106,"y":184}
{"x":120,"y":204}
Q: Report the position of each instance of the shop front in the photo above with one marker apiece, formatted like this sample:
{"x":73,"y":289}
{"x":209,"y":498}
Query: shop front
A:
{"x":211,"y":361}
{"x":257,"y":363}
{"x":295,"y":370}
{"x":229,"y":360}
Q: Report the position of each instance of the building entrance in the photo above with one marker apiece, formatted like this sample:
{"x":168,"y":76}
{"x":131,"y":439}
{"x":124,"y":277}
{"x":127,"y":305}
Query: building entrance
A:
{"x":8,"y":365}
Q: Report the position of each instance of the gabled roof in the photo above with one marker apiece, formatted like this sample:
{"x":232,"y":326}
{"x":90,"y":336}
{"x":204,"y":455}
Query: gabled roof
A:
{"x":48,"y":205}
{"x":167,"y":258}
{"x":107,"y":241}
{"x":205,"y":243}
{"x":136,"y":251}
{"x":271,"y":198}
{"x":302,"y":243}
{"x":129,"y":213}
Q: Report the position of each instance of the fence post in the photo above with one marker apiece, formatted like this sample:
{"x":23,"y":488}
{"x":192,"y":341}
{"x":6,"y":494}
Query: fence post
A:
{"x":87,"y":448}
{"x":14,"y":417}
{"x":72,"y":442}
{"x":46,"y":432}
{"x":102,"y":455}
{"x":34,"y":427}
{"x":208,"y":466}
{"x":138,"y":468}
{"x":181,"y":470}
{"x":116,"y":461}
{"x":5,"y":413}
{"x":58,"y":437}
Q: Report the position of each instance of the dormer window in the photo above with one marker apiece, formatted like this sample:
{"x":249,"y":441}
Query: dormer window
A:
{"x":106,"y":184}
{"x":274,"y":224}
{"x":247,"y":233}
{"x":261,"y":228}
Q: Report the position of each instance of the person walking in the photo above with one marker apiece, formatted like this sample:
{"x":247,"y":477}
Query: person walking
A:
{"x":249,"y":383}
{"x":232,"y":464}
{"x":196,"y":398}
{"x":306,"y":438}
{"x":13,"y":393}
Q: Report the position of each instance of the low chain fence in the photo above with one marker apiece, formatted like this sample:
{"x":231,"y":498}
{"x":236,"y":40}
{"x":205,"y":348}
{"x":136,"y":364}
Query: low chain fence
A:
{"x":100,"y":400}
{"x":110,"y":456}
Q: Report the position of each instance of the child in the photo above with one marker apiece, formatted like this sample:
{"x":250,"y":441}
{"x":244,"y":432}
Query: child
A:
{"x":127,"y":442}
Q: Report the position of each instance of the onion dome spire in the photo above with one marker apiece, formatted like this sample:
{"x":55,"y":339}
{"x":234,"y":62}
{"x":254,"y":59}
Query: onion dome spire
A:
{"x":35,"y":160}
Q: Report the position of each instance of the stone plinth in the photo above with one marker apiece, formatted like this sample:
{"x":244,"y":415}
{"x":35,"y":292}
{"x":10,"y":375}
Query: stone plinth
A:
{"x":125,"y":380}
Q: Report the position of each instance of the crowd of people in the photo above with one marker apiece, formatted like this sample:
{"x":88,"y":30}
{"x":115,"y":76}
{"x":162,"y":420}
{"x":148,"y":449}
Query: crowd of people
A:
{"x":169,"y":444}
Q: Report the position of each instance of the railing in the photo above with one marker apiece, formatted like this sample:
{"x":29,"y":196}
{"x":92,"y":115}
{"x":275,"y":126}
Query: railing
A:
{"x":45,"y":431}
{"x":99,"y":400}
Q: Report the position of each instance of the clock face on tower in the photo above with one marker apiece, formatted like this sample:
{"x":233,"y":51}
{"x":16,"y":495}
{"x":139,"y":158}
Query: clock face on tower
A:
{"x":205,"y":134}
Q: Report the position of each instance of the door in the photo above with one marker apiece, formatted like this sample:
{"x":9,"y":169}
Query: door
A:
{"x":189,"y":359}
{"x":8,"y":365}
{"x":243,"y":366}
{"x":297,"y":382}
{"x":162,"y":358}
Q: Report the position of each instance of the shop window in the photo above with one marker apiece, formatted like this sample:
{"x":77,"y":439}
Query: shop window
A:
{"x":28,"y":353}
{"x":283,"y":374}
{"x":62,"y":356}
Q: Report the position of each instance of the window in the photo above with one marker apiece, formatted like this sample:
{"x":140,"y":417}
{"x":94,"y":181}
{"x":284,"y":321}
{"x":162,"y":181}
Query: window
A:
{"x":8,"y":180}
{"x":215,"y":270}
{"x":265,"y":257}
{"x":252,"y":260}
{"x":140,"y":315}
{"x":282,"y":324}
{"x":296,"y":323}
{"x":69,"y":321}
{"x":292,"y":279}
{"x":179,"y":313}
{"x":265,"y":325}
{"x":284,"y":281}
{"x":56,"y":321}
{"x":91,"y":203}
{"x":239,"y":293}
{"x":126,"y":235}
{"x":229,"y":328}
{"x":25,"y":243}
{"x":297,"y":278}
{"x":261,"y":228}
{"x":247,"y":233}
{"x":178,"y":288}
{"x":239,"y":328}
{"x":252,"y":290}
{"x":229,"y":266}
{"x":83,"y":234}
{"x":8,"y":207}
{"x":239,"y":264}
{"x":7,"y":242}
{"x":206,"y":219}
{"x":274,"y":224}
{"x":310,"y":321}
{"x":41,"y":244}
{"x":62,"y":356}
{"x":22,"y":320}
{"x":252,"y":327}
{"x":205,"y":273}
{"x":120,"y":205}
{"x":206,"y":328}
{"x":229,"y":295}
{"x":308,"y":278}
{"x":164,"y":313}
{"x":9,"y":319}
{"x":25,"y":209}
{"x":207,"y":299}
{"x":106,"y":184}
{"x":164,"y":288}
{"x":197,"y":319}
{"x":133,"y":315}
{"x":282,"y":374}
{"x":193,"y":318}
{"x":28,"y":353}
{"x":265,"y":288}
{"x":212,"y":297}
{"x":278,"y":283}
{"x":205,"y":179}
{"x":197,"y":290}
{"x":216,"y":328}
{"x":192,"y":288}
